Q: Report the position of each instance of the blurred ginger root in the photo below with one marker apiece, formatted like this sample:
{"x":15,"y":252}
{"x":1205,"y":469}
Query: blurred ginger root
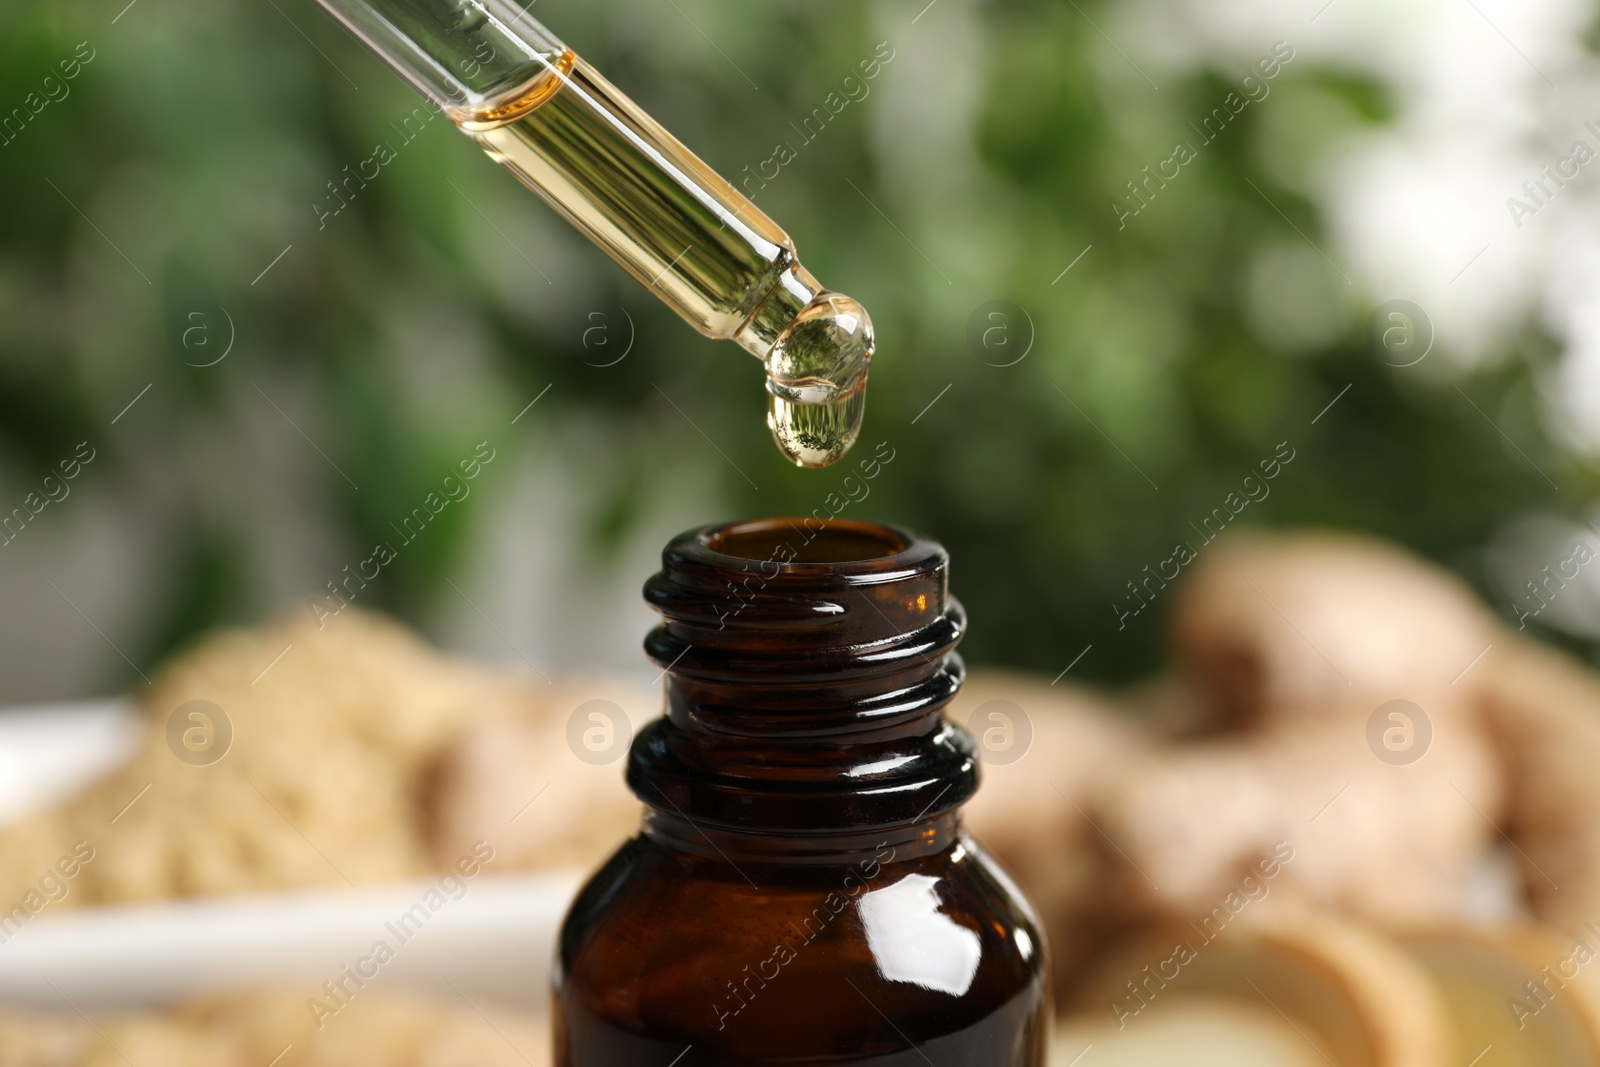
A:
{"x":517,"y":778}
{"x":1351,"y":833}
{"x":1270,"y":628}
{"x":1288,"y":646}
{"x":1347,"y":728}
{"x":1031,"y":809}
{"x":1543,"y":712}
{"x":351,"y":759}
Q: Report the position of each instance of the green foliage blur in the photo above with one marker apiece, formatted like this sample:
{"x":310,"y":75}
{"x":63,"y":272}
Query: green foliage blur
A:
{"x":424,"y":316}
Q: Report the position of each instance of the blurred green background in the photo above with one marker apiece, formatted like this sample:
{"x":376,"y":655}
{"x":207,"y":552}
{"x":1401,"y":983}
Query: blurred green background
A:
{"x":380,"y":348}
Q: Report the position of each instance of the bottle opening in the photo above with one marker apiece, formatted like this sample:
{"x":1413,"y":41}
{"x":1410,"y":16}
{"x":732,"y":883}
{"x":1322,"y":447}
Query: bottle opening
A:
{"x":838,"y":541}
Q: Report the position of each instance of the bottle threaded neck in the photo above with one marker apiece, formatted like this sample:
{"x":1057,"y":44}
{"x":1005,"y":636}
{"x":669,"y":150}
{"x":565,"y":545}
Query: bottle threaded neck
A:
{"x":807,"y":665}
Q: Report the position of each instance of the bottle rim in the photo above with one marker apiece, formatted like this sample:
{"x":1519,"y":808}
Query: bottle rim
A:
{"x":807,"y":543}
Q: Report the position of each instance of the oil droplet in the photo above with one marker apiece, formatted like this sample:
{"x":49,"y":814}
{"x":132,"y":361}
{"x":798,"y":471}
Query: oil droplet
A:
{"x":817,"y":380}
{"x":815,"y":435}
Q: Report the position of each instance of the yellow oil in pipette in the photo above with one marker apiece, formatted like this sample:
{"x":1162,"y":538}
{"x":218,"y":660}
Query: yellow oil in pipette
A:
{"x":693,"y":239}
{"x":650,"y":203}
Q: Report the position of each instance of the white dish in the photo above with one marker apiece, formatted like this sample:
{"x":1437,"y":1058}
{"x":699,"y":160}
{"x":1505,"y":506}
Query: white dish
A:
{"x":494,"y":940}
{"x":49,"y":753}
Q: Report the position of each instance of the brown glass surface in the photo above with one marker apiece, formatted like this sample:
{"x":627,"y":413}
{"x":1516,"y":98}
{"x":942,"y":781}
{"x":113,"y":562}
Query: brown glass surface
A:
{"x":802,"y":892}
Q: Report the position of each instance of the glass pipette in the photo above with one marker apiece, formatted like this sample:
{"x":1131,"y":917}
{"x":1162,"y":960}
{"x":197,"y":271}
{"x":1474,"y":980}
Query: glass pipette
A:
{"x":617,"y":175}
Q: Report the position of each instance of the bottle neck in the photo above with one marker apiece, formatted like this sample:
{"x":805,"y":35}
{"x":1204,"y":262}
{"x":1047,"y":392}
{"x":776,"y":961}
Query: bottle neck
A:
{"x":807,"y":669}
{"x":885,"y":844}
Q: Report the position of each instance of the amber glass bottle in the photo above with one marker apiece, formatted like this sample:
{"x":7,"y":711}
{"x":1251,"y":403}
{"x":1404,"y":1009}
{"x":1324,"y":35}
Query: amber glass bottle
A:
{"x":802,"y":891}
